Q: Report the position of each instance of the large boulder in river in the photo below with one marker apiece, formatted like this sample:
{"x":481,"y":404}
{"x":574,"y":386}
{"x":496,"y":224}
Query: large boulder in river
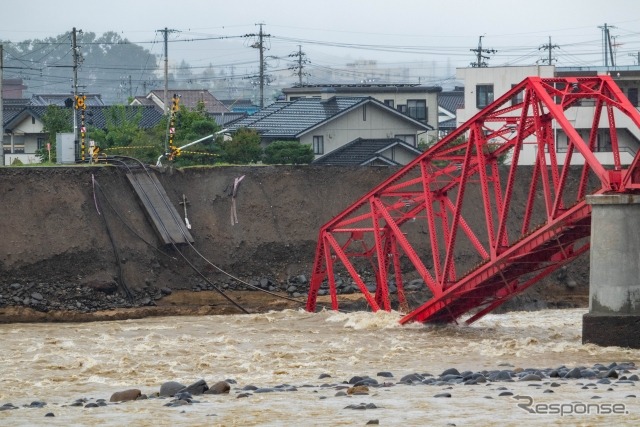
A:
{"x":221,"y":387}
{"x":199,"y":387}
{"x":126,"y":395}
{"x":170,"y":388}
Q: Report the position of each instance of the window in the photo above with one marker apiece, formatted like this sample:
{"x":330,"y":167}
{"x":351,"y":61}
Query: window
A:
{"x":484,"y":95}
{"x":41,"y":143}
{"x":402,"y":108}
{"x":33,"y":120}
{"x":633,"y":96}
{"x":318,"y":145}
{"x":409,"y":139}
{"x":603,"y":142}
{"x":417,"y":109}
{"x":389,"y":102}
{"x":518,"y":97}
{"x":364,"y":113}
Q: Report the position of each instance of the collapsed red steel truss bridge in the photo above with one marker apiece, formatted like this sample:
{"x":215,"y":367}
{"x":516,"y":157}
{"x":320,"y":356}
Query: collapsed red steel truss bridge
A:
{"x":422,"y":222}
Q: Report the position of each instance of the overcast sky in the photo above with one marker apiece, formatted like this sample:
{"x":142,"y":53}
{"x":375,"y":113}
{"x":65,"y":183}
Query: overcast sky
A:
{"x":433,"y":35}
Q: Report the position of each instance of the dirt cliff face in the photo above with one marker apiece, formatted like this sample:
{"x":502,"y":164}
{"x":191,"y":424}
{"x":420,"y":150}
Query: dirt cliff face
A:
{"x":73,"y":224}
{"x":56,"y":221}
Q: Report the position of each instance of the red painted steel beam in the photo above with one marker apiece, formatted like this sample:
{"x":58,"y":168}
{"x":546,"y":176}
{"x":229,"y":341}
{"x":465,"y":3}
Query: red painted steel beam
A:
{"x":418,"y":222}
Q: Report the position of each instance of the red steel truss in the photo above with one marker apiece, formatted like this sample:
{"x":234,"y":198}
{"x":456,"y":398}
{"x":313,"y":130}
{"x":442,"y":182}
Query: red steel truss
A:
{"x":423,"y":222}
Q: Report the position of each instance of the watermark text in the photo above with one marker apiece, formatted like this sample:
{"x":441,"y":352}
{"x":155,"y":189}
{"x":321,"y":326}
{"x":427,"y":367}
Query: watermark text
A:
{"x":570,"y":408}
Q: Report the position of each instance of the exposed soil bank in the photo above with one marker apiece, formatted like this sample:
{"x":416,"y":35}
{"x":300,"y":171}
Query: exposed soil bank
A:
{"x":58,"y":225}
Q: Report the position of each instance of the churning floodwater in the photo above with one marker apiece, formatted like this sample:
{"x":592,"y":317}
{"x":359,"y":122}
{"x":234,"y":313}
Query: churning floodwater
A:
{"x":59,"y":363}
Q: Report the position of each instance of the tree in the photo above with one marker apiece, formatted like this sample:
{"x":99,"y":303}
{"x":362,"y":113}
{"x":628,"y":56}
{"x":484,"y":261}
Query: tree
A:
{"x":193,"y":124}
{"x":121,"y":128}
{"x":122,"y":135}
{"x":105,"y":59}
{"x":55,"y":120}
{"x":243,"y":148}
{"x":190,"y":126}
{"x":288,"y":152}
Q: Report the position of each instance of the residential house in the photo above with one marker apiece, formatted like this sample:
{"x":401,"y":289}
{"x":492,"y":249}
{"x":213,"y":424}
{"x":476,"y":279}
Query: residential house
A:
{"x":484,"y":85}
{"x":416,"y":101}
{"x":371,"y":152}
{"x":189,"y":98}
{"x":448,"y":104}
{"x":328,"y":124}
{"x":23,"y":127}
{"x":217,"y":110}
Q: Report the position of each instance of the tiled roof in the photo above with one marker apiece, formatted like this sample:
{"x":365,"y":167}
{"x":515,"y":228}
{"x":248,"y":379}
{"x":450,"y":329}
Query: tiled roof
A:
{"x":143,"y":100}
{"x":364,"y":151}
{"x":229,"y":103}
{"x":10,"y":111}
{"x":362,"y":88}
{"x":191,"y":97}
{"x":15,"y":101}
{"x":92,"y":100}
{"x":288,"y":119}
{"x":150,"y":115}
{"x":226,"y":119}
{"x":451,"y":100}
{"x":448,"y":125}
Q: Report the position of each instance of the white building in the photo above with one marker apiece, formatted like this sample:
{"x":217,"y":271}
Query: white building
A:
{"x":485,"y":84}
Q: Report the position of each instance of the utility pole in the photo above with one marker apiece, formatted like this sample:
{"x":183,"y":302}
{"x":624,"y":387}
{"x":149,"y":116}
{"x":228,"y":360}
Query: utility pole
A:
{"x":76,"y":61}
{"x":636,"y":56}
{"x":479,"y":51}
{"x":165,"y":100}
{"x":300,"y":66}
{"x":165,"y":35}
{"x":606,"y":41}
{"x":260,"y":46}
{"x":549,"y":47}
{"x":231,"y":88}
{"x":1,"y":109}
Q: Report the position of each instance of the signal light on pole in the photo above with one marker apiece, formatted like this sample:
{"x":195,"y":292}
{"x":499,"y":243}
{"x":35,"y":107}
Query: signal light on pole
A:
{"x":80,"y":102}
{"x":175,"y":105}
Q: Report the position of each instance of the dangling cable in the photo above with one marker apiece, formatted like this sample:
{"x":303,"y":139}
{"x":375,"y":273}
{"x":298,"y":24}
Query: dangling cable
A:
{"x":121,"y":280}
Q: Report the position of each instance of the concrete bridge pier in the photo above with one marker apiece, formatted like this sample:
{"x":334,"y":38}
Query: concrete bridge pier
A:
{"x":614,"y":277}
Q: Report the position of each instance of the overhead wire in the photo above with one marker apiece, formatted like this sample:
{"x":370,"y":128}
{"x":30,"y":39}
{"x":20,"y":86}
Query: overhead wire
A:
{"x":173,"y":244}
{"x":219,"y":269}
{"x":114,"y":246}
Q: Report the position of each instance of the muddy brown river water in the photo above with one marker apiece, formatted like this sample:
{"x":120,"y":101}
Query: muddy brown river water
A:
{"x":59,"y":363}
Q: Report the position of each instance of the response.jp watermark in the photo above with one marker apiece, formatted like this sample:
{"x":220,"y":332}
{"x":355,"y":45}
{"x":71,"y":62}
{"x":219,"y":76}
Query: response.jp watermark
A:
{"x":570,"y":408}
